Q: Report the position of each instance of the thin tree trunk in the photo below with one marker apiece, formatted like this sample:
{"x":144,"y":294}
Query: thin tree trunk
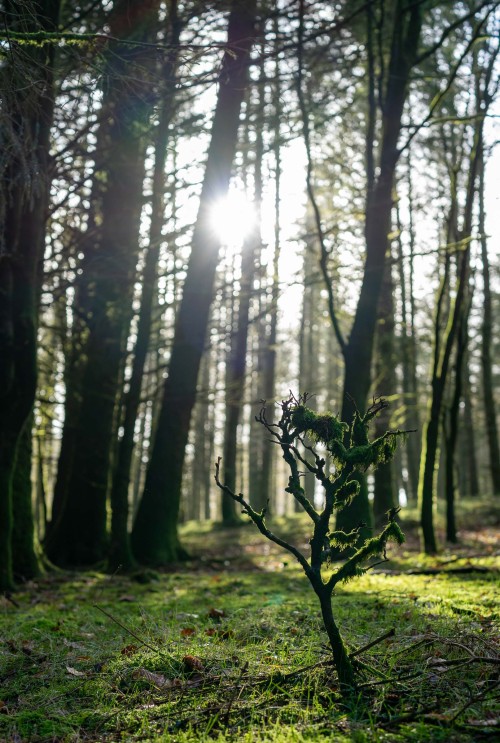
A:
{"x":469,"y":434}
{"x":154,"y":536}
{"x":451,"y":425}
{"x":442,"y":352}
{"x":385,"y":365}
{"x":486,"y":355}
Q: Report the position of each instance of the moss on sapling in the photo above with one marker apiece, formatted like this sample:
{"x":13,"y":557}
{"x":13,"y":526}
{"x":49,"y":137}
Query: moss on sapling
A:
{"x":350,"y":450}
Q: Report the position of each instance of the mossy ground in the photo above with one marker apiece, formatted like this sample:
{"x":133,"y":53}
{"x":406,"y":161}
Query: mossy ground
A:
{"x":218,"y":649}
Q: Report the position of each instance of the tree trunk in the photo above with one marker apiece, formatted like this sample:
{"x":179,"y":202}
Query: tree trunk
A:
{"x":80,"y":537}
{"x":235,"y":372}
{"x":443,"y":348}
{"x":486,"y":355}
{"x":384,"y":490}
{"x":154,"y":536}
{"x":341,"y":660}
{"x":120,"y":552}
{"x":469,"y":435}
{"x":451,"y":424}
{"x":358,"y":351}
{"x":27,"y":104}
{"x":23,"y":544}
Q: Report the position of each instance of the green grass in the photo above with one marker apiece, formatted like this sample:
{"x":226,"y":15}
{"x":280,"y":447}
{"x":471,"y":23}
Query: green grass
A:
{"x":217,"y":650}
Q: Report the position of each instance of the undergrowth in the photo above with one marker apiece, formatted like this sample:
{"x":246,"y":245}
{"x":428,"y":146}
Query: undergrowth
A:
{"x":226,"y":649}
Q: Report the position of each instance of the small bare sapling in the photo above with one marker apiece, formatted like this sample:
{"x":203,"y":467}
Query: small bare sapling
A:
{"x":349,"y":451}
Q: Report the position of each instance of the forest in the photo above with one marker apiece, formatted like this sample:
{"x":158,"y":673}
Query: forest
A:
{"x":249,"y":370}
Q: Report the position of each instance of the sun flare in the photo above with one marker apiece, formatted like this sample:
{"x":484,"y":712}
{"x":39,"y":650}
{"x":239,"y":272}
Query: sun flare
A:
{"x":233,"y":218}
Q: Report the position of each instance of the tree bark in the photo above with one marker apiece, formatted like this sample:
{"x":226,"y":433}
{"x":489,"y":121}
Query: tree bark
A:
{"x":358,"y":351}
{"x":27,"y":109}
{"x":385,"y":365}
{"x":486,"y":355}
{"x":80,"y":537}
{"x":119,"y":551}
{"x":154,"y":536}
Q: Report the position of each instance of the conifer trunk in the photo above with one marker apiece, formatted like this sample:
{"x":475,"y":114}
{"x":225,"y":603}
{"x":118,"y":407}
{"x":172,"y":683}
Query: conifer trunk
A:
{"x":486,"y":355}
{"x":28,"y":103}
{"x":80,"y":535}
{"x":154,"y":536}
{"x":358,"y":351}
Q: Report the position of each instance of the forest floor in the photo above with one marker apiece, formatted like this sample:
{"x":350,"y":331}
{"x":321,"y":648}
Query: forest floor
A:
{"x":229,"y":646}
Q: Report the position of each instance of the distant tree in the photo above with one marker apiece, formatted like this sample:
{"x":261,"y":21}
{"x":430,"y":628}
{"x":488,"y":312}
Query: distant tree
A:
{"x":459,"y":238}
{"x":388,"y":103}
{"x":486,"y":346}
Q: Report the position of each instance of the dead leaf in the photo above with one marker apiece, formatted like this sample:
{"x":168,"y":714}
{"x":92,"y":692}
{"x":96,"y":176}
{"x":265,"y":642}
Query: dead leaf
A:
{"x":216,"y":613}
{"x":156,"y":679}
{"x":193,"y":663}
{"x":126,"y":597}
{"x":188,"y":631}
{"x":74,"y":672}
{"x":129,"y":650}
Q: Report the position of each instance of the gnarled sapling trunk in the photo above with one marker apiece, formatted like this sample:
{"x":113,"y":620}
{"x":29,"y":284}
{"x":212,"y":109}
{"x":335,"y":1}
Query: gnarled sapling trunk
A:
{"x":358,"y":454}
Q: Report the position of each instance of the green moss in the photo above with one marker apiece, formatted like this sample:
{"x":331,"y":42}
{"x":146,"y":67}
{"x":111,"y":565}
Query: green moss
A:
{"x":324,"y":427}
{"x":271,"y":622}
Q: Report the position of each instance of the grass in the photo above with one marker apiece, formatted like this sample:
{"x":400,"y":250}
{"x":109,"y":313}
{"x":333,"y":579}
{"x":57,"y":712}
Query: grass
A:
{"x":231,"y":648}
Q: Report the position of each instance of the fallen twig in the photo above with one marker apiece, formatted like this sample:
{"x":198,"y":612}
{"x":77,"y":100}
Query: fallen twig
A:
{"x":371,"y":644}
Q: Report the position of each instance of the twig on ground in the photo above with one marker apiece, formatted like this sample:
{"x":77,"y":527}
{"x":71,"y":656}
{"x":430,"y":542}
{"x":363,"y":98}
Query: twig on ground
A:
{"x":127,"y":629}
{"x":371,"y":644}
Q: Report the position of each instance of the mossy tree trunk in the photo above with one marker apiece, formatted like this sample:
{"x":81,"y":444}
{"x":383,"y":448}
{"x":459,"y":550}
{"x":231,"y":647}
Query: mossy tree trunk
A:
{"x":24,"y":556}
{"x":27,"y":105}
{"x":154,"y":536}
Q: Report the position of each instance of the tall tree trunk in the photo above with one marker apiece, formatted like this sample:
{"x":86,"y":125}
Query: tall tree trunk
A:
{"x":27,"y":104}
{"x":154,"y":536}
{"x":486,"y":356}
{"x":81,"y":535}
{"x":358,"y":351}
{"x":120,"y":552}
{"x":451,"y":424}
{"x":408,"y":353}
{"x":235,"y":372}
{"x":268,"y":359}
{"x":469,"y":435}
{"x":385,"y":365}
{"x":442,"y":352}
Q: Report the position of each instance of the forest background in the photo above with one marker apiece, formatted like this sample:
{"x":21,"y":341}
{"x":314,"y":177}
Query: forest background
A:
{"x":205,"y":205}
